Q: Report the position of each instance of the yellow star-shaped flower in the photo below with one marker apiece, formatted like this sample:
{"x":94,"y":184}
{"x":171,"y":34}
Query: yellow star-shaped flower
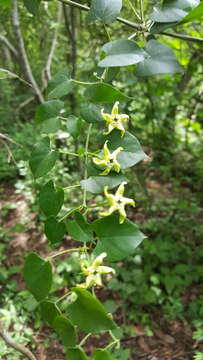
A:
{"x":117,"y":202}
{"x":115,"y":120}
{"x":94,"y":270}
{"x":108,"y":160}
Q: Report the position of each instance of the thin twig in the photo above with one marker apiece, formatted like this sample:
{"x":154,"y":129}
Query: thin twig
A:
{"x":47,"y":70}
{"x":6,"y":42}
{"x":14,"y":76}
{"x":87,"y":8}
{"x":26,"y":102}
{"x":133,"y":9}
{"x":132,"y":24}
{"x":19,"y":347}
{"x":142,"y":12}
{"x":68,"y":251}
{"x":22,"y":51}
{"x":182,"y":36}
{"x":3,"y":139}
{"x":10,"y":155}
{"x":86,"y":160}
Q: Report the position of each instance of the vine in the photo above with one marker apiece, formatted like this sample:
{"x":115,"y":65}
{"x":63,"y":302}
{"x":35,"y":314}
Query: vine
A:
{"x":111,"y":236}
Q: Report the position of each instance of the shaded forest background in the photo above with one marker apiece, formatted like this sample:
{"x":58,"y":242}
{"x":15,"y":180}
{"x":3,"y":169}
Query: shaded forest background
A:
{"x":157,"y":294}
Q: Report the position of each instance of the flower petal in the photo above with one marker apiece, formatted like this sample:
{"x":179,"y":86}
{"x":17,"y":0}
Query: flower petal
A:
{"x":115,"y":108}
{"x":121,"y":189}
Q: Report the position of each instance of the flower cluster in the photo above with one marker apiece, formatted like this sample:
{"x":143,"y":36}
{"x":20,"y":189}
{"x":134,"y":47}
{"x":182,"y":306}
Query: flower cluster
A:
{"x":108,"y":160}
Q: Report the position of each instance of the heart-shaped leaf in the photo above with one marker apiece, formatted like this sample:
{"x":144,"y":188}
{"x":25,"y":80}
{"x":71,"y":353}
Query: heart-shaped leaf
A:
{"x":49,"y":311}
{"x":60,"y":85}
{"x":132,"y":152}
{"x":121,"y":53}
{"x":160,"y":60}
{"x":159,"y":27}
{"x":61,"y":90}
{"x":66,"y":331}
{"x":38,"y":276}
{"x":102,"y":354}
{"x":173,"y":10}
{"x":32,"y":6}
{"x":117,"y":240}
{"x":48,"y":110}
{"x":60,"y":77}
{"x":51,"y":199}
{"x":91,"y":113}
{"x":195,"y":14}
{"x":105,"y":10}
{"x":79,"y":228}
{"x":104,"y":93}
{"x":76,"y":354}
{"x":54,"y":229}
{"x":50,"y":126}
{"x":95,"y":184}
{"x":88,"y":313}
{"x":73,"y":125}
{"x":42,"y":158}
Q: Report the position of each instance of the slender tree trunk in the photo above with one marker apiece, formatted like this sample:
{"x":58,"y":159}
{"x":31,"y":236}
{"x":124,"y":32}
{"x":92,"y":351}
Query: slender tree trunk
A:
{"x":70,"y":25}
{"x":9,"y":46}
{"x":47,"y":70}
{"x":25,"y":65}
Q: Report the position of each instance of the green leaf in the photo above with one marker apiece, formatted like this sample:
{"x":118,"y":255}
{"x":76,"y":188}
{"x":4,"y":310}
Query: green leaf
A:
{"x":49,"y":311}
{"x":32,"y":6}
{"x":132,"y":152}
{"x":159,"y":27}
{"x":91,"y":113}
{"x":104,"y":93}
{"x":95,"y":184}
{"x":117,"y":240}
{"x":62,"y":89}
{"x":54,"y":230}
{"x":60,"y":85}
{"x":51,"y":199}
{"x":161,"y":60}
{"x":60,"y":77}
{"x":79,"y":229}
{"x":76,"y":354}
{"x":66,"y":331}
{"x":110,"y":73}
{"x":48,"y":110}
{"x":102,"y":354}
{"x":172,"y":10}
{"x":105,"y":10}
{"x":42,"y":158}
{"x":195,"y":14}
{"x":38,"y":276}
{"x":88,"y":313}
{"x":6,"y":3}
{"x":73,"y":125}
{"x":50,"y":126}
{"x":121,"y":53}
